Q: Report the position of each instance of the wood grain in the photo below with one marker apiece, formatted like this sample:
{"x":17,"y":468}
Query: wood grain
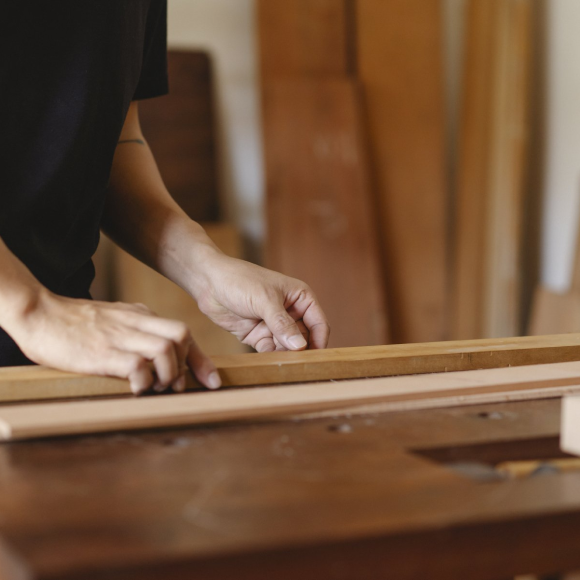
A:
{"x":321,"y":224}
{"x":400,"y":65}
{"x":492,"y":169}
{"x":37,"y":383}
{"x":304,"y":37}
{"x":401,"y":393}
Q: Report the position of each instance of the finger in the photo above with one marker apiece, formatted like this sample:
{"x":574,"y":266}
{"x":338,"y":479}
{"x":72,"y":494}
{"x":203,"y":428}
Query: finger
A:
{"x":173,"y":330}
{"x":260,"y":338}
{"x":284,"y":327}
{"x":161,"y":351}
{"x":202,"y":367}
{"x":317,"y":325}
{"x":130,"y":366}
{"x":265,"y":344}
{"x":303,"y":330}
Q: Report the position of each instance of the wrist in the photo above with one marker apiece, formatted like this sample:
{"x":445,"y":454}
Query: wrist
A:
{"x":20,"y":304}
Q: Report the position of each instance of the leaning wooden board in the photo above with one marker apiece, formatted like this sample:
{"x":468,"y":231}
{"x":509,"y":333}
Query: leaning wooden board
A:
{"x":492,"y":169}
{"x":400,"y":65}
{"x":39,"y":383}
{"x":320,"y":215}
{"x":396,"y":393}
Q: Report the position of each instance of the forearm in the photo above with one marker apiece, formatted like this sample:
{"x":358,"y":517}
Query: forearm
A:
{"x":19,"y":289}
{"x":142,"y":217}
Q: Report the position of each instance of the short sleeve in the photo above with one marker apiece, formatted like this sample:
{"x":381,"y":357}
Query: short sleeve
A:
{"x":153,"y":81}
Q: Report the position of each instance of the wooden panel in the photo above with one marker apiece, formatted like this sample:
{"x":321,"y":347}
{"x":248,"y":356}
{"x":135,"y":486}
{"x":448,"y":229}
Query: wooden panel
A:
{"x":492,"y":169}
{"x":181,"y":131}
{"x":400,"y":62}
{"x":304,"y":37}
{"x":34,"y":383}
{"x":401,"y":393}
{"x":320,"y":217}
{"x":473,"y":176}
{"x":135,"y":282}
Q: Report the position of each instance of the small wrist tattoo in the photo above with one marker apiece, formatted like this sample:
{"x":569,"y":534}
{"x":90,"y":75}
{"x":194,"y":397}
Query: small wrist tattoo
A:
{"x":139,"y":141}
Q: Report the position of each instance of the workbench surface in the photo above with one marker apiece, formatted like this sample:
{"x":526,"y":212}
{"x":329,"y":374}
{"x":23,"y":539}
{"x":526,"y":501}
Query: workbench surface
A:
{"x":363,"y":497}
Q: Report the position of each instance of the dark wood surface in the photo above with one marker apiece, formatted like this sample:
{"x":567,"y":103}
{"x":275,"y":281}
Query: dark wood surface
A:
{"x":180,"y":129}
{"x":360,"y":498}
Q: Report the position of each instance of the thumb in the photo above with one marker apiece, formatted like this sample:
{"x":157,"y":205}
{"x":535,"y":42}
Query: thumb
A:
{"x":284,"y":328}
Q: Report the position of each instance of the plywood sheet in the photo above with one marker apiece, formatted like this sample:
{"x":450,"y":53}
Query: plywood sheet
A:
{"x":453,"y":389}
{"x":321,"y":222}
{"x":400,"y":64}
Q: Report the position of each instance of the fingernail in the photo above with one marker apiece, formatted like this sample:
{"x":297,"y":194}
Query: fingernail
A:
{"x":214,"y":381}
{"x":297,"y":342}
{"x":158,"y":387}
{"x":179,"y":385}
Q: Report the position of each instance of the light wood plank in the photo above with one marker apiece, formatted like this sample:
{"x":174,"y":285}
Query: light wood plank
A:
{"x":37,"y":383}
{"x":321,"y":224}
{"x":401,"y":393}
{"x":492,"y":169}
{"x":400,"y":65}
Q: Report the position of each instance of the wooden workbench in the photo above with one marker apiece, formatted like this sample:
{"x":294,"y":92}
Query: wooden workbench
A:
{"x":401,"y":495}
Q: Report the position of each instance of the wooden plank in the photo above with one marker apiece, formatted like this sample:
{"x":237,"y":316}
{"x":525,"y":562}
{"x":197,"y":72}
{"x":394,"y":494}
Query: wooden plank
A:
{"x":400,"y":64}
{"x":512,"y":99}
{"x":135,"y":282}
{"x":473,"y":176}
{"x":304,"y":37}
{"x":494,"y":150}
{"x":180,"y":129}
{"x":570,"y":433}
{"x":320,"y":218}
{"x":558,"y":311}
{"x":37,"y":383}
{"x":402,"y":393}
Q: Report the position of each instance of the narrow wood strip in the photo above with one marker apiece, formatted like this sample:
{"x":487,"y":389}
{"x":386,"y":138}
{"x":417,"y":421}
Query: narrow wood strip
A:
{"x":38,"y":383}
{"x":400,"y":66}
{"x":73,"y":418}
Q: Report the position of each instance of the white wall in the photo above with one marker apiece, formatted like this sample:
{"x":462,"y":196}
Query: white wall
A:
{"x":562,"y":187}
{"x":226,"y":28}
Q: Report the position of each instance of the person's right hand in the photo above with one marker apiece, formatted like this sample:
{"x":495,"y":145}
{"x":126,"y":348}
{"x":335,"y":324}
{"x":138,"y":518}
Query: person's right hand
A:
{"x":113,"y":339}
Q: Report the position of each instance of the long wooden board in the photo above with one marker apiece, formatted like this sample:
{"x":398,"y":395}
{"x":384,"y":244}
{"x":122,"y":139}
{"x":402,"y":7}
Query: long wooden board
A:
{"x":321,"y":224}
{"x":453,"y":389}
{"x":38,"y":383}
{"x":492,"y":169}
{"x":400,"y":65}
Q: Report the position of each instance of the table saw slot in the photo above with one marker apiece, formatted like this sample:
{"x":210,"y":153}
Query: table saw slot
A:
{"x":497,"y":460}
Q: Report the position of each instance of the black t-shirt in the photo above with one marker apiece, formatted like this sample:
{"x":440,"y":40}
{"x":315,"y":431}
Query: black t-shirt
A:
{"x":69,"y":70}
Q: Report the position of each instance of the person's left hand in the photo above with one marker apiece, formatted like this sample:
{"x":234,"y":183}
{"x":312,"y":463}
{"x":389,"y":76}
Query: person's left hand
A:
{"x":263,"y":309}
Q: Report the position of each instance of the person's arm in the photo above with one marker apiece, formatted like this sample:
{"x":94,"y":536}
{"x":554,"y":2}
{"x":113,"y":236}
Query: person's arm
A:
{"x":120,"y":340}
{"x":264,"y":309}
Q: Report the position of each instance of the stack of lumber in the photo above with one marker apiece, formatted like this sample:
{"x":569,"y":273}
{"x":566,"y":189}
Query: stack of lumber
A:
{"x":536,"y":369}
{"x":359,"y":194}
